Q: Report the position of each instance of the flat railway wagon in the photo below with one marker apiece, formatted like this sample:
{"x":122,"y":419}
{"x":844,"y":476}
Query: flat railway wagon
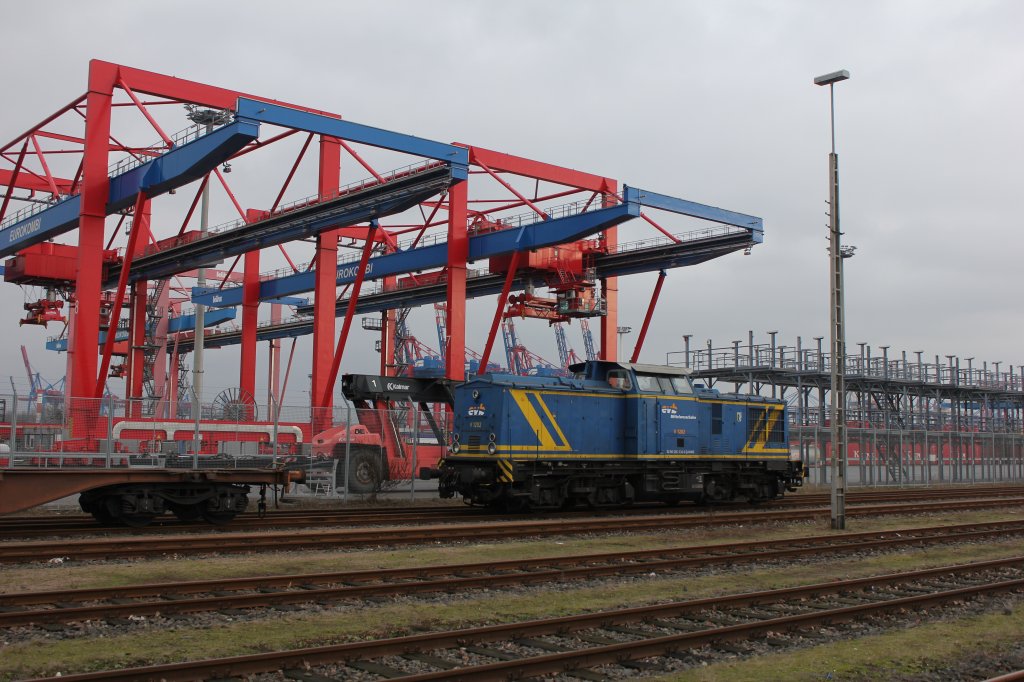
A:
{"x":612,"y":434}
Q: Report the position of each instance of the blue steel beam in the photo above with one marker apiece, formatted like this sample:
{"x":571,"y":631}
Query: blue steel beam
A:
{"x":174,"y":168}
{"x":533,"y":236}
{"x":174,"y":325}
{"x":695,"y":210}
{"x":284,"y":300}
{"x":276,"y":114}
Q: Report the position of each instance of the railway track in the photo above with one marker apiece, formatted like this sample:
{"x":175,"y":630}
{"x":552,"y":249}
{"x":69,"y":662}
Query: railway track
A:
{"x":235,"y":542}
{"x":67,"y":606}
{"x":82,"y":525}
{"x":591,"y":645}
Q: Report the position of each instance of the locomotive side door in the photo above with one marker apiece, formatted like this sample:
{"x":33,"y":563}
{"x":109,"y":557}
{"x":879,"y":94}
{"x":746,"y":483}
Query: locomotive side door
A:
{"x":637,"y":424}
{"x":635,"y":431}
{"x":678,"y":426}
{"x":678,"y":431}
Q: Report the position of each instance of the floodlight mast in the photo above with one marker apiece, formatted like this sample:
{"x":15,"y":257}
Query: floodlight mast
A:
{"x":208,"y":118}
{"x":838,"y":331}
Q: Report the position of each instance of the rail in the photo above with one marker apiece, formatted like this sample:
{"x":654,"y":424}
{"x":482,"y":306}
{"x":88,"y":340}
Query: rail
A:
{"x":691,"y":236}
{"x":32,"y":209}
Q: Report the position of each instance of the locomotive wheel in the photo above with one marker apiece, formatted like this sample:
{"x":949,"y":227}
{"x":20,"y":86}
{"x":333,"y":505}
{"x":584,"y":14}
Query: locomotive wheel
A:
{"x":764,"y":492}
{"x":717,"y":490}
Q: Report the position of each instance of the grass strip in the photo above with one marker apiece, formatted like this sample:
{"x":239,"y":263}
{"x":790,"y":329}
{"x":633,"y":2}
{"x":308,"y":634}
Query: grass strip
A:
{"x":182,"y":567}
{"x":95,"y":649}
{"x":921,"y":650}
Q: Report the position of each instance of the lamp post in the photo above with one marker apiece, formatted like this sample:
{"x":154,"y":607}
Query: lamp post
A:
{"x":208,"y":118}
{"x":838,"y":332}
{"x":622,"y":332}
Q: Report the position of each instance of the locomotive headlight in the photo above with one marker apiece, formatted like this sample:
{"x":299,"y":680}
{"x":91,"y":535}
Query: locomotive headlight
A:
{"x":491,"y":448}
{"x":491,"y":437}
{"x":476,"y":395}
{"x":455,"y":437}
{"x":456,"y":447}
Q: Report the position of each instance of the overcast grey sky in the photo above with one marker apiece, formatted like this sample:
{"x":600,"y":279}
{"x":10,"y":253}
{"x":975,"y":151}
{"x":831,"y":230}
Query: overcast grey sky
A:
{"x":711,"y":102}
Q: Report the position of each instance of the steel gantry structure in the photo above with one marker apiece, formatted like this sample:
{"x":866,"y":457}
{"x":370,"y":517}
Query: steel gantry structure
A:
{"x":910,"y":419}
{"x":466,"y":202}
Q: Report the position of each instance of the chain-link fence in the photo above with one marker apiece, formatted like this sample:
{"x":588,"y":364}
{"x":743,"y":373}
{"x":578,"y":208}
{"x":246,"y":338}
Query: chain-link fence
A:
{"x":340,"y":450}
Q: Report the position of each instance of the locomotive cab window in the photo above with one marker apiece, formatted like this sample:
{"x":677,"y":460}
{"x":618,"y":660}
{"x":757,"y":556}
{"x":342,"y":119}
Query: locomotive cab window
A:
{"x":682,"y":385}
{"x":647,"y":384}
{"x":675,"y":385}
{"x":619,"y":378}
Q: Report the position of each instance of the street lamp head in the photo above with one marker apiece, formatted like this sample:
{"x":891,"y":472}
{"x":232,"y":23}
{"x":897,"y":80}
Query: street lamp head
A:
{"x":210,"y":117}
{"x":834,"y":77}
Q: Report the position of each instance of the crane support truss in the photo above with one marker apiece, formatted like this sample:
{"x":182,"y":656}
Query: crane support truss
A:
{"x":436,"y":183}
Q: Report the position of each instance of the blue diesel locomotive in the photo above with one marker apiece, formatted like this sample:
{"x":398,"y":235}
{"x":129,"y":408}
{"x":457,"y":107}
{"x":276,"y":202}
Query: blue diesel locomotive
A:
{"x":613,"y":434}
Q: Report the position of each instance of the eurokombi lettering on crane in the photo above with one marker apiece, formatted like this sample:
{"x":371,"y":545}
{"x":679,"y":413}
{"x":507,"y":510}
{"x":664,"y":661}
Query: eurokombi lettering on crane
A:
{"x":352,"y":270}
{"x":22,"y":231}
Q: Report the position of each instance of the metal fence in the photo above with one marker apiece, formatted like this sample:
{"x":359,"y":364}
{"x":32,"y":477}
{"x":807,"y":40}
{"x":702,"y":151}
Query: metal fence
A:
{"x":340,"y":450}
{"x":347,"y":450}
{"x":880,"y":457}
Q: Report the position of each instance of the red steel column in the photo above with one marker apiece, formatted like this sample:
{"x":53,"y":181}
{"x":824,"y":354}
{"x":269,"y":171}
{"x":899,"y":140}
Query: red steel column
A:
{"x":387,"y":337}
{"x":136,"y":343}
{"x":502,"y":300}
{"x":82,"y":360}
{"x":137,"y":310}
{"x":647,"y":318}
{"x":172,"y":384}
{"x":160,"y":355}
{"x":274,"y":363}
{"x":610,"y":287}
{"x":350,"y":310}
{"x":250,"y":320}
{"x":458,"y":252}
{"x":325,"y":291}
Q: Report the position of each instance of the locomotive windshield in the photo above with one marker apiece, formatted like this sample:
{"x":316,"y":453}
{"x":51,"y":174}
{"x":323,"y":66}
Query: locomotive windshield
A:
{"x":647,"y":384}
{"x":678,"y":385}
{"x":647,"y":378}
{"x":619,"y":378}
